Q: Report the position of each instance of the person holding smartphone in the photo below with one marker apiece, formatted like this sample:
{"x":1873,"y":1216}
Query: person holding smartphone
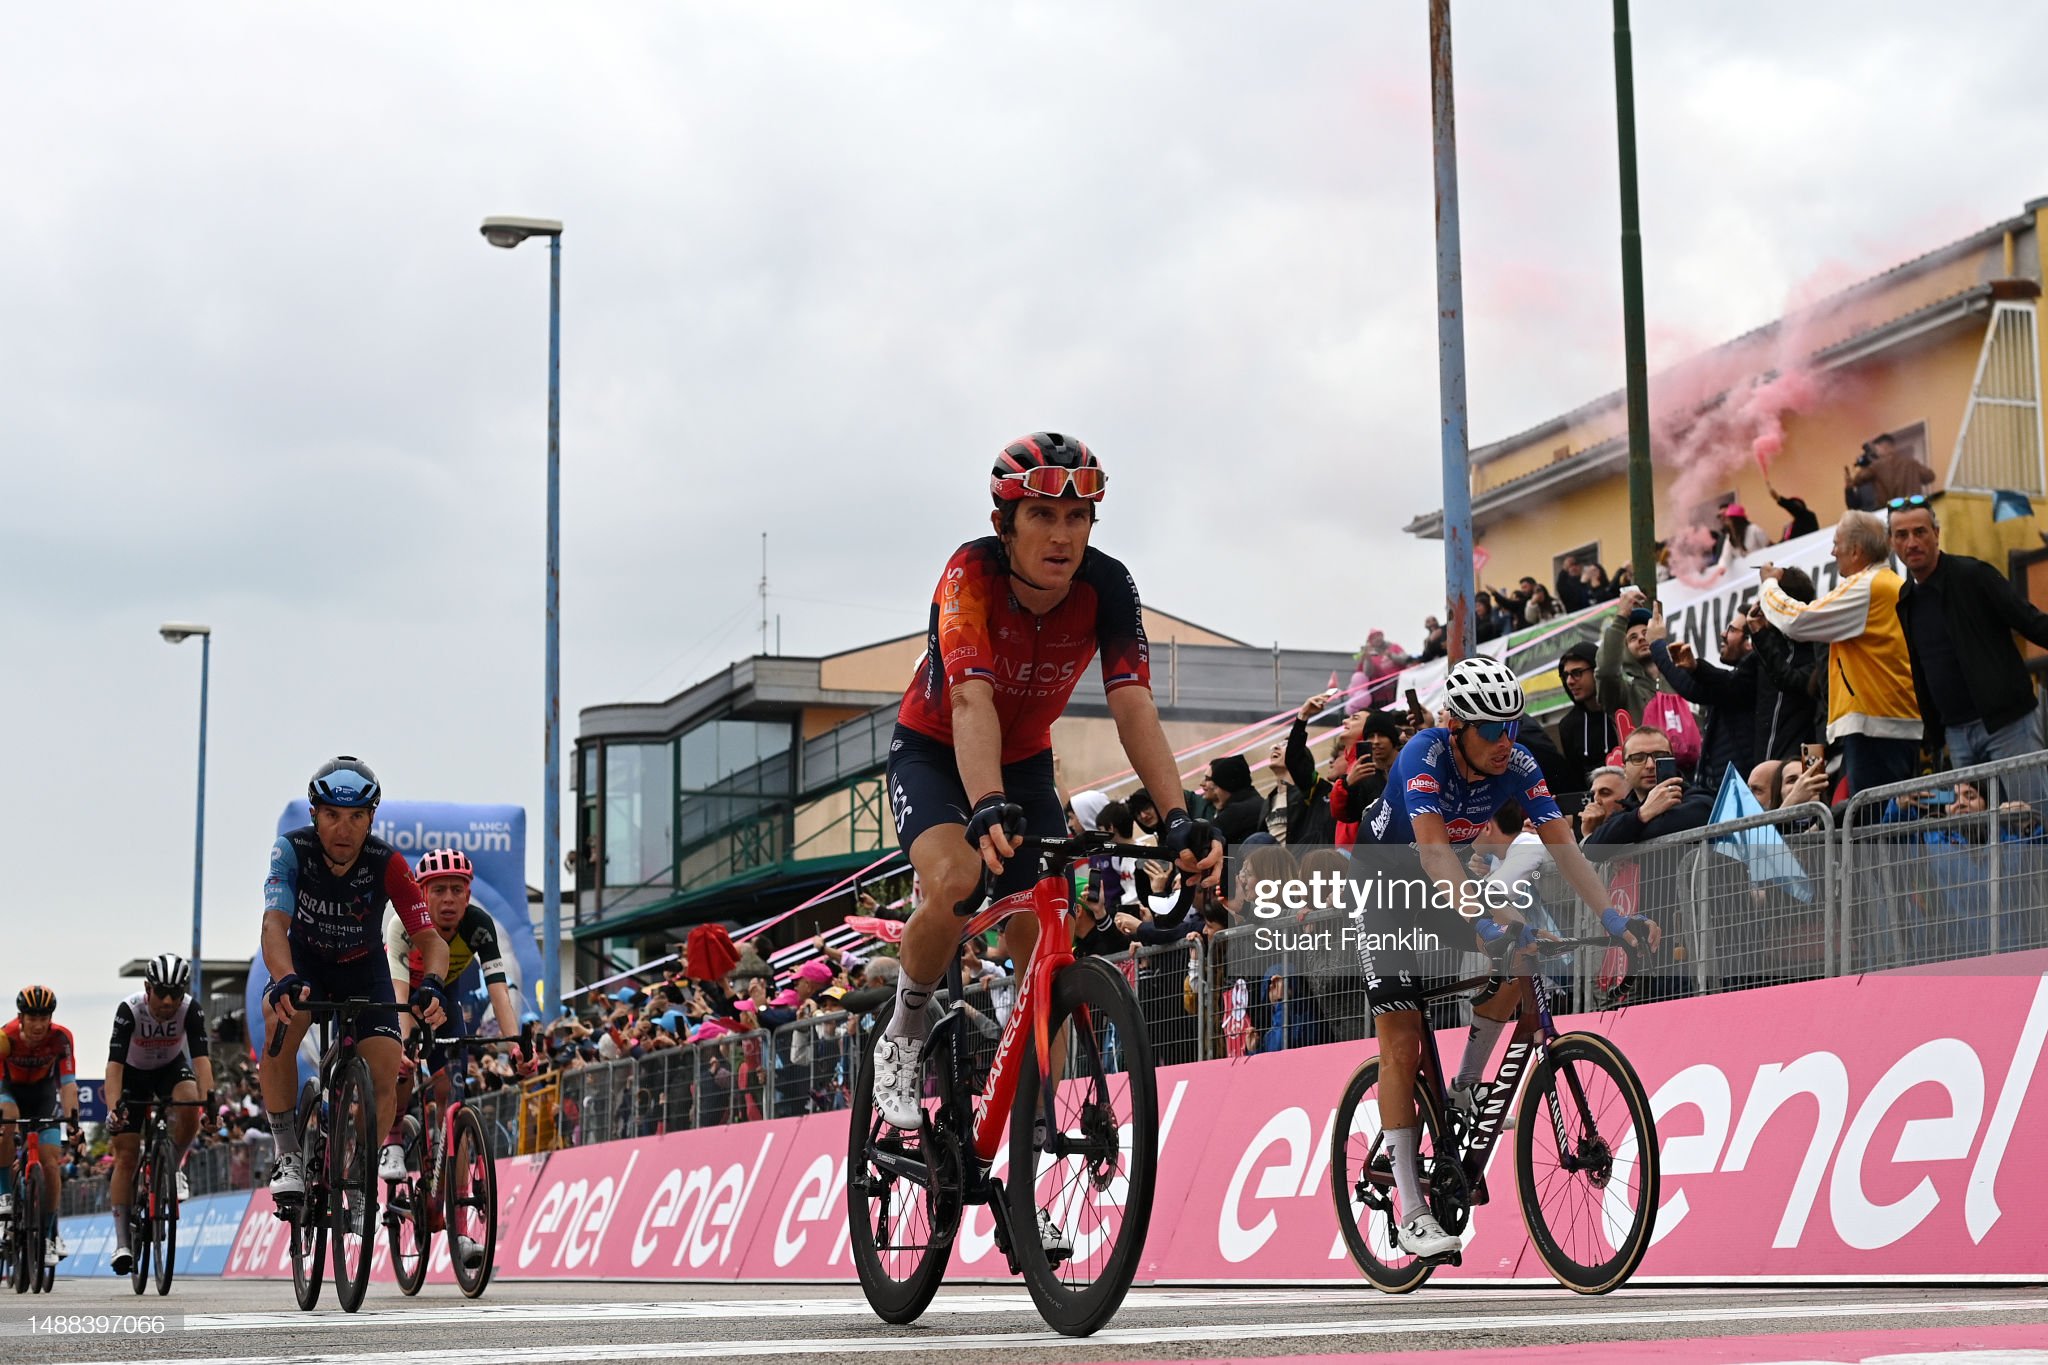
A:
{"x":1657,"y":802}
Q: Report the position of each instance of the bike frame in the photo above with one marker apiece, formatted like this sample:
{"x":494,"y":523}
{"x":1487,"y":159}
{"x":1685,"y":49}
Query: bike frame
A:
{"x":1047,"y":900}
{"x":1531,"y":1040}
{"x":423,"y":1096}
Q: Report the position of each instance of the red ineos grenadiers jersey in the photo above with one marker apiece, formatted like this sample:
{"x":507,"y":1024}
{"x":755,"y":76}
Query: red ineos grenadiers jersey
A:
{"x":980,"y":631}
{"x":1425,"y":781}
{"x":55,"y":1058}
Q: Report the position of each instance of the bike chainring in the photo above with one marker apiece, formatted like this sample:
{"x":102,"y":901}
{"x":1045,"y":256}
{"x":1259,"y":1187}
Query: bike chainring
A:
{"x":946,"y":1159}
{"x":1450,"y":1194}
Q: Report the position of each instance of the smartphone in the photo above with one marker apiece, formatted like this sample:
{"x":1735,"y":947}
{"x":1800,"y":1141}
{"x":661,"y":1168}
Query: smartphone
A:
{"x":1667,"y":768}
{"x":1816,"y":755}
{"x":1415,"y":712}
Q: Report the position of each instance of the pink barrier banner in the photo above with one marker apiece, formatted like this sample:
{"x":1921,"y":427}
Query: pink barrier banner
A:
{"x":262,"y":1250}
{"x":1861,"y":1127}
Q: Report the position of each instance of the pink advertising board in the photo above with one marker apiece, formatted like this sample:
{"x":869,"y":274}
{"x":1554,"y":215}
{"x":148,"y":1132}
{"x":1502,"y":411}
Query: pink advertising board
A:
{"x":1881,"y":1126}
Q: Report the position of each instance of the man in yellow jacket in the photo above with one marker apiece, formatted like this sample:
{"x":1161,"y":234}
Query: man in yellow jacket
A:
{"x":1872,"y":710}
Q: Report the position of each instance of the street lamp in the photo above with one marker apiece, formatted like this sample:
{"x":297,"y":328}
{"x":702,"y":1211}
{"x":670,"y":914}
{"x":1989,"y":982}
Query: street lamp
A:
{"x":177,"y":632}
{"x":509,"y":233}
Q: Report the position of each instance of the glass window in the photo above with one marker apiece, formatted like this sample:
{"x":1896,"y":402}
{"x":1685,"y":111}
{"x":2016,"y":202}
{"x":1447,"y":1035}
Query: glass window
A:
{"x":639,"y":806}
{"x":719,"y":750}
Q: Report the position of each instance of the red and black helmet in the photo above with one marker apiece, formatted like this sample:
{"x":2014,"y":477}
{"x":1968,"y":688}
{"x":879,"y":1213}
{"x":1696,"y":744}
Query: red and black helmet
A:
{"x":1046,"y":465}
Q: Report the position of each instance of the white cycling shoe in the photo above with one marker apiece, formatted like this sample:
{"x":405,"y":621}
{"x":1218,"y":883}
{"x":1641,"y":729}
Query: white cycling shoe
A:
{"x":391,"y":1165}
{"x":184,"y":1188}
{"x":1423,"y":1236}
{"x":6,"y":1207}
{"x":1463,"y":1098}
{"x":470,"y":1252}
{"x":288,"y":1177}
{"x":899,"y":1081}
{"x":55,"y":1249}
{"x":124,"y":1261}
{"x":1051,"y":1238}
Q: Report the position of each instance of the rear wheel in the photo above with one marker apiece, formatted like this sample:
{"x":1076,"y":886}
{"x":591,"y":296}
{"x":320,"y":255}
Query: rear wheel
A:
{"x":900,"y":1229}
{"x":352,"y":1150}
{"x":1586,"y":1164}
{"x":1091,"y":1173}
{"x":405,"y":1221}
{"x":471,"y":1179}
{"x":1362,"y":1181}
{"x":308,"y":1221}
{"x":163,"y":1210}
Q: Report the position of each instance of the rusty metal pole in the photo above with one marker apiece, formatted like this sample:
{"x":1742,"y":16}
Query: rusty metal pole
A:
{"x":1450,"y":342}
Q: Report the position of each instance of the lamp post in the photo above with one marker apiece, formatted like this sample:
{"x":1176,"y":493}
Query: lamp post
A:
{"x":177,"y":632}
{"x":509,"y":233}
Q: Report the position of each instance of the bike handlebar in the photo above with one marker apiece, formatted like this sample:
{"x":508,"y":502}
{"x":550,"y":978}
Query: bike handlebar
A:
{"x":315,"y":1008}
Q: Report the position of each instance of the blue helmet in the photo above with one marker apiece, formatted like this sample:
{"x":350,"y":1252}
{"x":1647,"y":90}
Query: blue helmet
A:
{"x":346,"y":782}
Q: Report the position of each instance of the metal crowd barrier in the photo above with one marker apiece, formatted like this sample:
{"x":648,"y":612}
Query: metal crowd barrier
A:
{"x":1922,"y":884}
{"x":1789,"y":895}
{"x":1745,"y":903}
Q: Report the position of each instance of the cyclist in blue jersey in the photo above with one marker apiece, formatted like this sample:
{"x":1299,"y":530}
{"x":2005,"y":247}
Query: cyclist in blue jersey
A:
{"x":323,"y":938}
{"x":1444,"y":789}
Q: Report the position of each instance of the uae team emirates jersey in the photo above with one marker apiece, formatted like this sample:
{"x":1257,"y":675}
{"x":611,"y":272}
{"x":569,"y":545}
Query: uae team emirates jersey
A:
{"x":980,"y":631}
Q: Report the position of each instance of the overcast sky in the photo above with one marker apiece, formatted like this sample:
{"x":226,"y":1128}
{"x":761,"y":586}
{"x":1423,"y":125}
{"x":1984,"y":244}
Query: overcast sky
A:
{"x":821,"y":262}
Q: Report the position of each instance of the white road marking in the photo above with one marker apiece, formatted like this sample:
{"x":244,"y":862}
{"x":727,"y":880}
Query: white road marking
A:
{"x":974,"y":1305}
{"x":1577,"y":1317}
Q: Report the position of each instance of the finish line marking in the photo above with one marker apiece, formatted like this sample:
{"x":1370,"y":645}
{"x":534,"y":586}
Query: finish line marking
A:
{"x":1578,"y":1317}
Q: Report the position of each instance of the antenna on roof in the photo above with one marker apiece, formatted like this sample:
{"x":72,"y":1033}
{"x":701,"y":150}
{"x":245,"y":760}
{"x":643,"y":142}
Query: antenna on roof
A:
{"x":764,"y":592}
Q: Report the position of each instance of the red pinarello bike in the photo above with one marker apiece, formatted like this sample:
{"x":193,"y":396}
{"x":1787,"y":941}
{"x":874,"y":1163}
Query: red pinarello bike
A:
{"x":1070,"y":1082}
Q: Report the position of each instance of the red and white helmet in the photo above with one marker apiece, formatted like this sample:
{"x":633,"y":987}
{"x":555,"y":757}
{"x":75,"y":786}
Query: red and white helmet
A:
{"x":443,"y":862}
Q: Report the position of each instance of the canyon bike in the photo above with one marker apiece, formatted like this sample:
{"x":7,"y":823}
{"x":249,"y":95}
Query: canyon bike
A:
{"x":1586,"y":1157}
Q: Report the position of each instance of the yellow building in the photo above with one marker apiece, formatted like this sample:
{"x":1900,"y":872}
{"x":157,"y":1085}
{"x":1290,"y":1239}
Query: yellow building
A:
{"x":1942,"y":353}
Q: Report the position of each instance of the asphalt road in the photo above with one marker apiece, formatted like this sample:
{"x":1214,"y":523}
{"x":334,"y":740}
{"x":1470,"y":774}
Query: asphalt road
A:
{"x":248,"y":1322}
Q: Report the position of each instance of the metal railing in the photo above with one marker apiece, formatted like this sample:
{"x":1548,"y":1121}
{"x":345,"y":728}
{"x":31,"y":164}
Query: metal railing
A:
{"x":1922,"y":884}
{"x":1745,"y":903}
{"x":1798,"y":894}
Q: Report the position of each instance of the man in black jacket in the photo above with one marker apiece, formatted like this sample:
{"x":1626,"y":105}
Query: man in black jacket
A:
{"x":1959,"y":615}
{"x":1729,"y":694}
{"x":1237,"y":801}
{"x":1309,"y":818}
{"x":1585,"y":733}
{"x":1653,"y":806}
{"x":1792,"y":687}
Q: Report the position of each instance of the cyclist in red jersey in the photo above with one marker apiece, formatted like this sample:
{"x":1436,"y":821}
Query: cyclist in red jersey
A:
{"x":38,"y":1079}
{"x":1015,"y":621}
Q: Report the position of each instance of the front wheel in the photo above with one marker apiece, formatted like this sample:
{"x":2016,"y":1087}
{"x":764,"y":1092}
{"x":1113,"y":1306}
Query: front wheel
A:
{"x":471,"y":1179}
{"x":28,"y":1217}
{"x":141,"y":1226}
{"x":163,"y":1210}
{"x":1081,"y":1187}
{"x":405,"y":1218}
{"x":308,"y":1221}
{"x":1586,"y":1164}
{"x":352,"y":1150}
{"x":895,"y":1220}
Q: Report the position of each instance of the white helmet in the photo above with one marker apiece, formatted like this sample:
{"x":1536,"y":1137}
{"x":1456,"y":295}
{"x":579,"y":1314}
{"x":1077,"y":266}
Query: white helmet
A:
{"x":168,"y":971}
{"x":1480,"y":688}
